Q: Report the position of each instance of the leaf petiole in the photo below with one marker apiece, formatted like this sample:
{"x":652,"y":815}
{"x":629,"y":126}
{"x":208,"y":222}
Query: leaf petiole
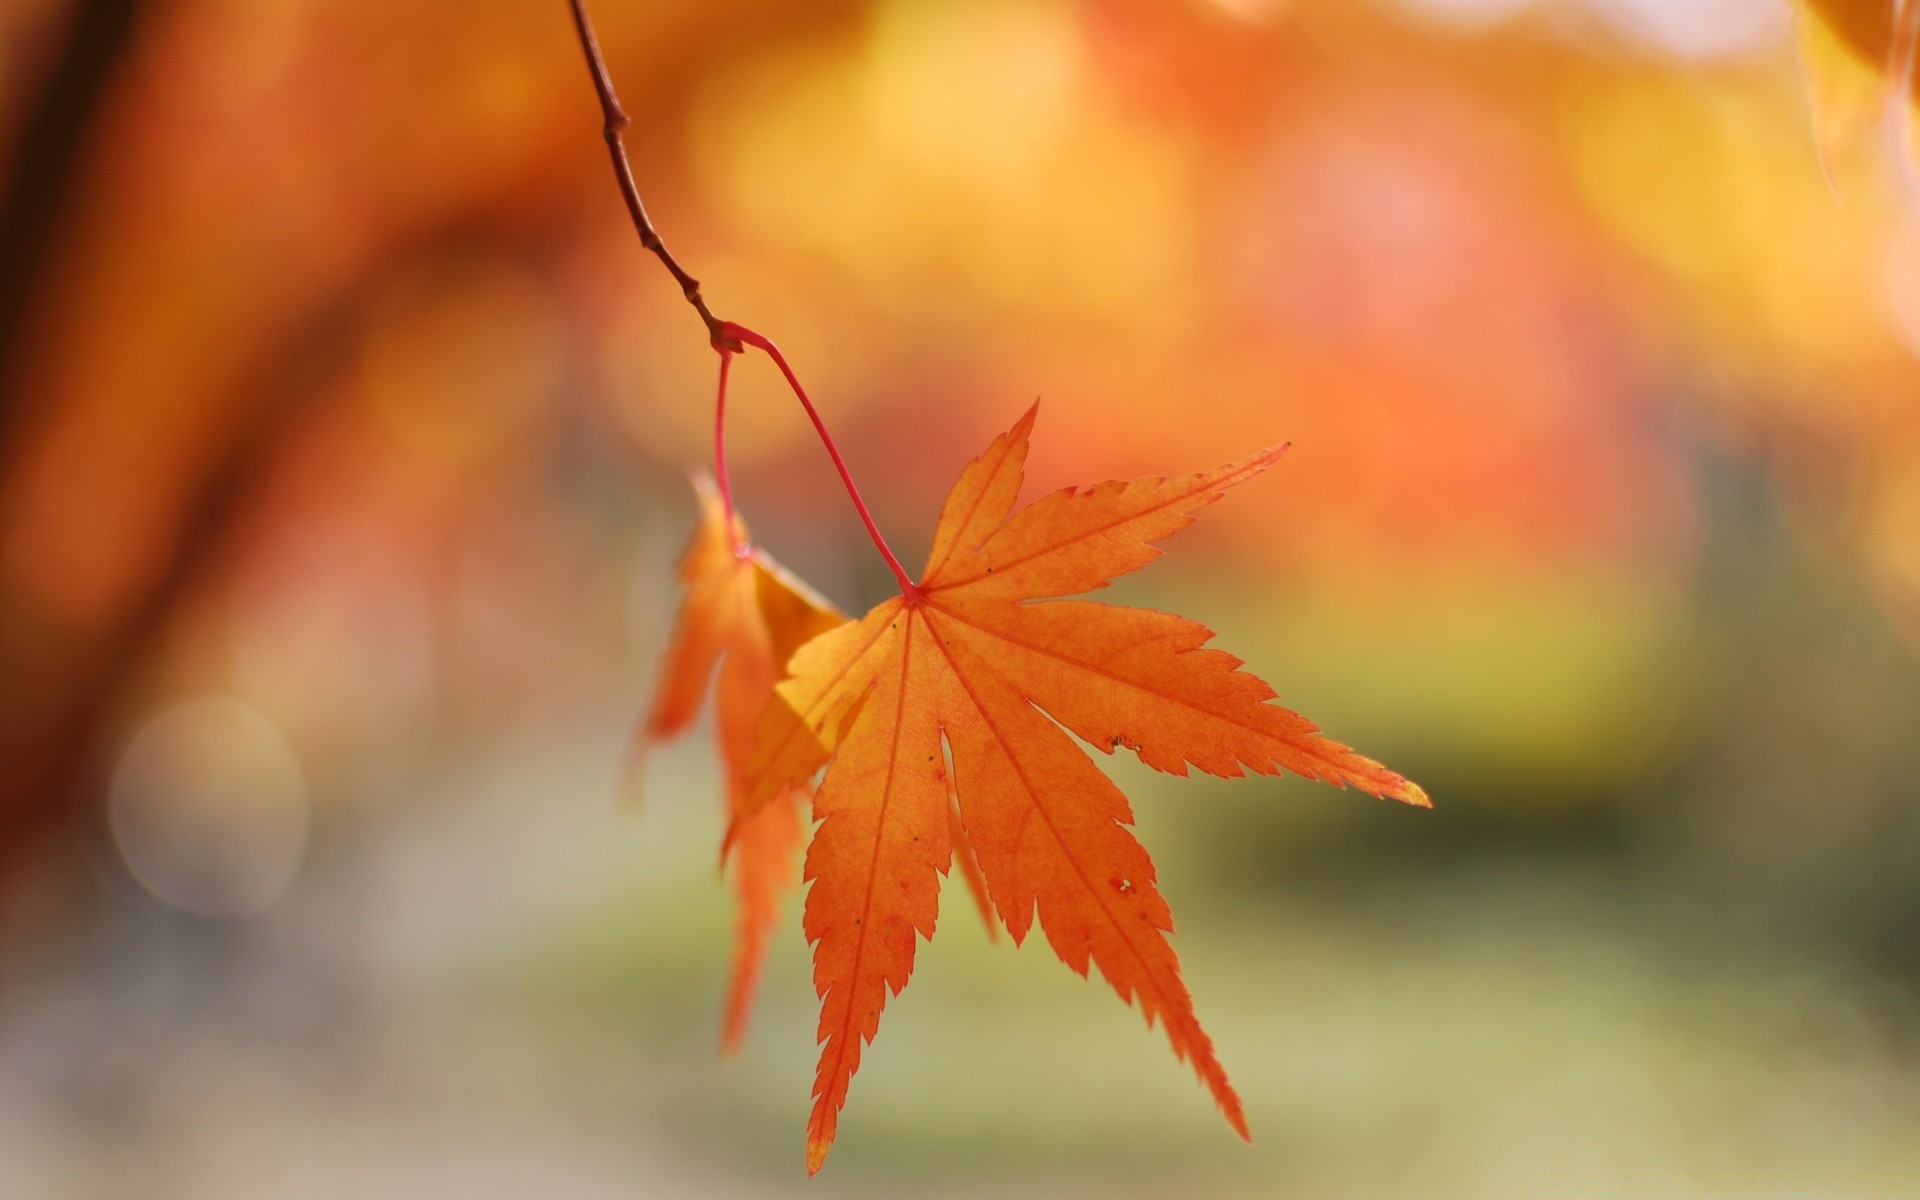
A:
{"x":720,"y":481}
{"x":748,"y":337}
{"x":727,"y":337}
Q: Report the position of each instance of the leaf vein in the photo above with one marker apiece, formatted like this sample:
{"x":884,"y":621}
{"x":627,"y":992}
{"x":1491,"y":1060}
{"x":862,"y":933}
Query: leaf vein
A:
{"x":1172,"y":697}
{"x":1213,"y":484}
{"x":1149,"y":973}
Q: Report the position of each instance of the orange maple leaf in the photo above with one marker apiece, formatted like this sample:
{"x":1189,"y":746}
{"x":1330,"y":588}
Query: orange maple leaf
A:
{"x":962,"y":669}
{"x":748,"y":612}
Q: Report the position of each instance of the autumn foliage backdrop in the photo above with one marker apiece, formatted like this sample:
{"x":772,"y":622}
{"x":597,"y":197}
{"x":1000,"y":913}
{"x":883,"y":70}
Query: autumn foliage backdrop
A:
{"x":343,"y":435}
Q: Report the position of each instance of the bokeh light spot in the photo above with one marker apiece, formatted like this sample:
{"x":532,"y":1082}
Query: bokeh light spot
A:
{"x":209,"y":808}
{"x":974,"y":88}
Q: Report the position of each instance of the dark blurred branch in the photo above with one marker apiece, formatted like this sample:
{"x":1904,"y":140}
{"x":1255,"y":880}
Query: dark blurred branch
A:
{"x":45,"y":176}
{"x":616,"y":123}
{"x":49,"y":782}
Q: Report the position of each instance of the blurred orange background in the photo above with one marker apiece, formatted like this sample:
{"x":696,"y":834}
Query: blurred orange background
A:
{"x":344,"y":426}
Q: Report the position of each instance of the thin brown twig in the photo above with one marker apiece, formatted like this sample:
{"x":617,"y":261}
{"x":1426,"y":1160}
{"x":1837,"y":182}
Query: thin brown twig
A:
{"x":727,"y":337}
{"x":616,"y":124}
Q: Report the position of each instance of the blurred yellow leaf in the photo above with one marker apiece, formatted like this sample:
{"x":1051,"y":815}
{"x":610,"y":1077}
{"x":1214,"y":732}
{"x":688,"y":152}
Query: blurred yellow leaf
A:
{"x":1857,"y":55}
{"x":1845,"y":51}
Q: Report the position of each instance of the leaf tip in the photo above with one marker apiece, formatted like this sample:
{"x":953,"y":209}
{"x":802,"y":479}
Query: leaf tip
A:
{"x":1412,"y":793}
{"x":1024,"y":426}
{"x":1225,"y":1095}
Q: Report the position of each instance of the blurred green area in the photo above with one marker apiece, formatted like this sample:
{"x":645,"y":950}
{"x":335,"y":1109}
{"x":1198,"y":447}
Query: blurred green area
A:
{"x":340,"y":482}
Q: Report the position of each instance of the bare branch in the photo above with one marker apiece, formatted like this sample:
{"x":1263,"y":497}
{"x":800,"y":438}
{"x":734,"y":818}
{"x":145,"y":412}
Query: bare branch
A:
{"x":616,"y":124}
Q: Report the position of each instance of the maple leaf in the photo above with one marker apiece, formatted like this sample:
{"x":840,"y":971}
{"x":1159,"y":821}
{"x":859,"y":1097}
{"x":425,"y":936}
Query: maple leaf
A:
{"x":746,"y":611}
{"x":963,"y":668}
